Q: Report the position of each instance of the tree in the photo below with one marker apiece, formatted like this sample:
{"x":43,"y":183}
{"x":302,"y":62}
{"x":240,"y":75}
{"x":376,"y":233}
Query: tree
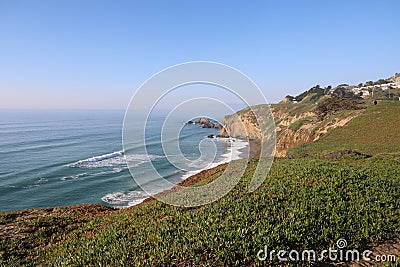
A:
{"x":327,"y":89}
{"x":380,"y":81}
{"x":334,"y":105}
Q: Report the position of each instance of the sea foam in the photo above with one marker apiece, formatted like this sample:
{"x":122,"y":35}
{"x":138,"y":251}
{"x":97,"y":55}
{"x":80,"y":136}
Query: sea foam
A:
{"x":132,"y":198}
{"x":114,"y":159}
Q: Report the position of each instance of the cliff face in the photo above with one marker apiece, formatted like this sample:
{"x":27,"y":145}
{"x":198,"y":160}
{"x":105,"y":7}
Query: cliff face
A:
{"x":295,"y":124}
{"x":241,"y":126}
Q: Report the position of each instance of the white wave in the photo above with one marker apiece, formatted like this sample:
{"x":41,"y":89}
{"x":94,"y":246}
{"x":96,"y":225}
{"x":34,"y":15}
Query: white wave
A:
{"x":125,"y":199}
{"x":114,"y":170}
{"x":73,"y":176}
{"x":233,"y":153}
{"x":114,"y":159}
{"x":98,"y":161}
{"x":35,"y":184}
{"x":117,"y":170}
{"x":103,"y":157}
{"x":41,"y":181}
{"x":132,"y":198}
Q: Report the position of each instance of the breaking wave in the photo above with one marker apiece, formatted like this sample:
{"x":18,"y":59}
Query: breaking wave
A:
{"x":125,"y":199}
{"x":114,"y":159}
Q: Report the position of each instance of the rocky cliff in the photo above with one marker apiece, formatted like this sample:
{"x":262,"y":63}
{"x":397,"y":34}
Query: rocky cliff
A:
{"x":240,"y":125}
{"x":295,"y":124}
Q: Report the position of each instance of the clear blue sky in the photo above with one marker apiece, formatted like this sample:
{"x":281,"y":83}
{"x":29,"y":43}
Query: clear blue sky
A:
{"x":94,"y":54}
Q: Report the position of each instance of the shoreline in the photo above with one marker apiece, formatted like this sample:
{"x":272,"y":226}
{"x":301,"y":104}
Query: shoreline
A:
{"x":240,"y":149}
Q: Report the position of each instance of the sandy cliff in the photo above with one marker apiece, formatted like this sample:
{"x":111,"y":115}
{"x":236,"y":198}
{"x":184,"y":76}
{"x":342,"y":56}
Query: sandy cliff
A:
{"x":295,"y":124}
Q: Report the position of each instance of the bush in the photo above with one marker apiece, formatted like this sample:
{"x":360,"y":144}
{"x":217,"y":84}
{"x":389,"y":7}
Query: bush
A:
{"x":317,"y":92}
{"x":334,"y":105}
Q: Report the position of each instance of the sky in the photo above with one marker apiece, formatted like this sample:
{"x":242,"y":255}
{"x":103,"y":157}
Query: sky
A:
{"x":96,"y":54}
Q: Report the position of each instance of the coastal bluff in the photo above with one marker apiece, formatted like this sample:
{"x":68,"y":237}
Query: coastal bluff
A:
{"x":294,"y":123}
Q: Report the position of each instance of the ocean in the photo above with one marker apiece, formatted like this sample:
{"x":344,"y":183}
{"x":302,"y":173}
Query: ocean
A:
{"x":67,"y":157}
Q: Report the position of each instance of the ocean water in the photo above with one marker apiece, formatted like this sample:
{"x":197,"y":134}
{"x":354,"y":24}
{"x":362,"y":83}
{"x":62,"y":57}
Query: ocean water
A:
{"x":59,"y":158}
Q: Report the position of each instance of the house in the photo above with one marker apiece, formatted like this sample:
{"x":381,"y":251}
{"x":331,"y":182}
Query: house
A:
{"x":356,"y":90}
{"x":366,"y":94}
{"x":393,"y":85}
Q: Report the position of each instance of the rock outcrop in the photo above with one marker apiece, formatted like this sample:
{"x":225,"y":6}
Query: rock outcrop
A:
{"x":206,"y":123}
{"x":288,"y":99}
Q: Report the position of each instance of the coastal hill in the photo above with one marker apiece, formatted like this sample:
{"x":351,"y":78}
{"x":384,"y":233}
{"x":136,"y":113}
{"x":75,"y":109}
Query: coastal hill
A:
{"x":295,"y":123}
{"x":337,"y":176}
{"x":382,"y":89}
{"x":307,"y":117}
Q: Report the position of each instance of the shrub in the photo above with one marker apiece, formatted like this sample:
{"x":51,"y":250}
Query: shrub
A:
{"x":334,"y":105}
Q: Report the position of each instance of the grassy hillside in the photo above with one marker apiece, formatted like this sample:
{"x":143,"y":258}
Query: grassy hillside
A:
{"x":375,"y":131}
{"x":304,"y":203}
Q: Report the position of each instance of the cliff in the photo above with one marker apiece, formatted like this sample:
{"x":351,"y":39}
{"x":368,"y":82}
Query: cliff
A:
{"x":246,"y":126}
{"x":295,"y":123}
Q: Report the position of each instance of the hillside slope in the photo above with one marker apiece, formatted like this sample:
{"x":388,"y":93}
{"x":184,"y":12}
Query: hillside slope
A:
{"x":375,"y":131}
{"x":295,"y":123}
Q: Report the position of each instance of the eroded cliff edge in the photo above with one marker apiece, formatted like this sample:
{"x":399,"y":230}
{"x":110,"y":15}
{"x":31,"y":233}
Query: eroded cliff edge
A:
{"x":295,"y":123}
